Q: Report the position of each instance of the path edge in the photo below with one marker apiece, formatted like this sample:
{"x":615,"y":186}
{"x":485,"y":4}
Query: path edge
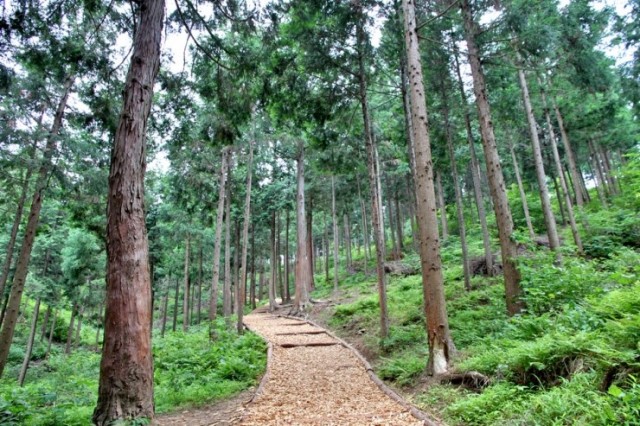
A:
{"x":415,"y":412}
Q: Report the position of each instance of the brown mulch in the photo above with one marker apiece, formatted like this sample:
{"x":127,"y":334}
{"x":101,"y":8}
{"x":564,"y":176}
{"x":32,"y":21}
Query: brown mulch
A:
{"x":313,"y":378}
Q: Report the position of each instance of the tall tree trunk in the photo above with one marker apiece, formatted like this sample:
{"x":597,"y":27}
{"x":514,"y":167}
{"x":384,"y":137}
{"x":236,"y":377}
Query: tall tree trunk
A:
{"x":242,"y":285}
{"x":45,"y":323}
{"x":374,"y":176}
{"x":559,"y":197}
{"x":456,"y":186}
{"x":303,"y":265}
{"x":74,"y":313}
{"x":236,"y":266}
{"x":213,"y":302}
{"x":504,"y":220}
{"x":475,"y":172}
{"x":600,"y":182}
{"x":12,"y":309}
{"x":32,"y":335}
{"x":392,"y":229}
{"x":16,"y":222}
{"x":569,"y":156}
{"x":336,"y":238}
{"x":549,"y":218}
{"x":278,"y":254}
{"x":252,"y":290}
{"x":272,"y":280}
{"x":52,"y":330}
{"x":165,"y":308}
{"x":226,"y":287}
{"x":365,"y":229}
{"x":347,"y":241}
{"x":399,"y":224}
{"x":175,"y":305}
{"x":78,"y":339}
{"x":286,"y":258}
{"x":126,"y":356}
{"x":443,"y":208}
{"x":523,"y":195}
{"x":261,"y":283}
{"x":325,"y":244}
{"x":435,"y":310}
{"x":187,"y":285}
{"x":99,"y":326}
{"x":200,"y":276}
{"x":309,"y":220}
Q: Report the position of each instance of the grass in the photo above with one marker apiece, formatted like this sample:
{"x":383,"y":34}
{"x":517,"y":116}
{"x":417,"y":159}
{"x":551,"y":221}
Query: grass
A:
{"x":189,"y":371}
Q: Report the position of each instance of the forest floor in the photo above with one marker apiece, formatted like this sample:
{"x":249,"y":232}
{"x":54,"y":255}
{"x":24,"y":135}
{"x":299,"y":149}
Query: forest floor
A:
{"x":312,"y":378}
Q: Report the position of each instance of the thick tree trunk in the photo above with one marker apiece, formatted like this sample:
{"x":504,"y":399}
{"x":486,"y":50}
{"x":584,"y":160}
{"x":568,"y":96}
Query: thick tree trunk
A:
{"x":187,"y":285}
{"x":523,"y":195}
{"x":213,"y":302}
{"x":52,"y":330}
{"x":32,"y":336}
{"x":303,"y":265}
{"x":226,"y":287}
{"x":336,"y":238}
{"x":443,"y":208}
{"x":475,"y":173}
{"x":435,"y":310}
{"x":12,"y":309}
{"x":242,"y":285}
{"x":126,"y":356}
{"x":374,"y":176}
{"x":549,"y":218}
{"x":504,"y":220}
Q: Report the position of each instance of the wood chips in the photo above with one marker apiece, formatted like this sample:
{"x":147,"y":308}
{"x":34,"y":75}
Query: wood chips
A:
{"x":324,"y":384}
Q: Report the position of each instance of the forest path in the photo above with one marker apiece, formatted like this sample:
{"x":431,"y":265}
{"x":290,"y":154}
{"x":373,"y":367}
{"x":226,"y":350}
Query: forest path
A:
{"x":314,"y":378}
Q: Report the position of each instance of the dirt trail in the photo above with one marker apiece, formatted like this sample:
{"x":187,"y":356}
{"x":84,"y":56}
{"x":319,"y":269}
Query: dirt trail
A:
{"x":312,"y":378}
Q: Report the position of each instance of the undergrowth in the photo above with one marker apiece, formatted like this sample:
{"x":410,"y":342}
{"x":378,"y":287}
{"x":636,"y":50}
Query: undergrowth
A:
{"x":189,"y":369}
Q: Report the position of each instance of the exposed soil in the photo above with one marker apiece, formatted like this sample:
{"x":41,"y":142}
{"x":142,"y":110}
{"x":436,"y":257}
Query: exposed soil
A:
{"x":223,"y":413}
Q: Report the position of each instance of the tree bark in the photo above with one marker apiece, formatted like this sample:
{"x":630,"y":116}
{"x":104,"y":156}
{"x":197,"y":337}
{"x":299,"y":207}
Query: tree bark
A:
{"x":439,"y":339}
{"x":252,"y":290}
{"x":213,"y":302}
{"x":78,"y":339}
{"x":52,"y":330}
{"x":175,"y":305}
{"x":365,"y":229}
{"x":504,"y":220}
{"x":309,"y":223}
{"x":242,"y":285}
{"x":303,"y":264}
{"x":443,"y":208}
{"x":599,"y":176}
{"x":571,"y":162}
{"x":475,"y":173}
{"x":187,"y":285}
{"x":325,"y":249}
{"x":523,"y":195}
{"x":399,"y":223}
{"x":226,"y":288}
{"x":199,"y":309}
{"x":278,"y":254}
{"x":74,"y":313}
{"x":336,"y":238}
{"x":347,"y":241}
{"x":32,"y":335}
{"x":286,"y":258}
{"x":272,"y":280}
{"x":126,"y":356}
{"x":165,"y":307}
{"x":549,"y":218}
{"x":22,"y":264}
{"x":392,"y":231}
{"x":374,"y":175}
{"x":45,"y":323}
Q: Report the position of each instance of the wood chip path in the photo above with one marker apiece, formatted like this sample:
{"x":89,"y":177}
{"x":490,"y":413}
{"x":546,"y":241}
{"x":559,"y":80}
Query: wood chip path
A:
{"x":313,"y":378}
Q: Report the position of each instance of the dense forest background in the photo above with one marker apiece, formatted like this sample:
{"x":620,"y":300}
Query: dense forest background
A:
{"x":454,"y":186}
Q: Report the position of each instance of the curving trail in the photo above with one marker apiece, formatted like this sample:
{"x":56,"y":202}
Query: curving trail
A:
{"x":313,"y":378}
